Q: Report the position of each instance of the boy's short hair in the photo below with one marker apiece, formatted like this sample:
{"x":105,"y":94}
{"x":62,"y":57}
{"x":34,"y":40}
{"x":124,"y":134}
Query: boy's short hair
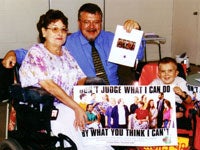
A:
{"x":167,"y":60}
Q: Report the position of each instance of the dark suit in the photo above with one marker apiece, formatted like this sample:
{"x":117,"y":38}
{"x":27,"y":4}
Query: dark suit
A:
{"x":115,"y":116}
{"x":160,"y":113}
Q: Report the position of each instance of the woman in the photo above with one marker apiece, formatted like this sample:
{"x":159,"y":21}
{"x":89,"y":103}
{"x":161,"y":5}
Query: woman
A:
{"x":153,"y":113}
{"x":167,"y":114}
{"x":141,"y":117}
{"x":50,"y":66}
{"x":144,"y":99}
{"x":133,"y":108}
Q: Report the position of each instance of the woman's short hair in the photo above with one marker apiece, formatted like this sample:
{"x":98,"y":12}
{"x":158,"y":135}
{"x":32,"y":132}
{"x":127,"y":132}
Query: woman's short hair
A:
{"x":49,"y":17}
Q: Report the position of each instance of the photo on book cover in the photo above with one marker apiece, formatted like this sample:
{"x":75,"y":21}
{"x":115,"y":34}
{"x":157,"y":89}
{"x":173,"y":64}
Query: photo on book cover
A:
{"x":128,"y":115}
{"x":125,"y":44}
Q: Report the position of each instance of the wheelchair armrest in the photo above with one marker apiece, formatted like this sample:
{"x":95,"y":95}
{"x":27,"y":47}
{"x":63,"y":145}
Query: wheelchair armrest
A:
{"x":29,"y":94}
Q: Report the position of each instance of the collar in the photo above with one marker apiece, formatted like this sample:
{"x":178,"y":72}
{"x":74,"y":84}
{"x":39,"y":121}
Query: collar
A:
{"x":85,"y":41}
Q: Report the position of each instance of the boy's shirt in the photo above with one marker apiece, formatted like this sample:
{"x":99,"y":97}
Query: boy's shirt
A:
{"x":178,"y":81}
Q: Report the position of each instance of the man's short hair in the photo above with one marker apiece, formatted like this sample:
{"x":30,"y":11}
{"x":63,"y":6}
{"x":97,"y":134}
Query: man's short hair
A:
{"x":90,"y":8}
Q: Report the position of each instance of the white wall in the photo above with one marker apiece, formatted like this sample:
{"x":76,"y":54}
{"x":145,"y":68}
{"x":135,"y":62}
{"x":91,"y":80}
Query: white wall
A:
{"x":18,"y":23}
{"x":153,"y":16}
{"x":19,"y":18}
{"x":186,"y":27}
{"x":70,"y":9}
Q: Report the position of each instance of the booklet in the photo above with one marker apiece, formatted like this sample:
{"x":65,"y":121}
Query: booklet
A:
{"x":125,"y":46}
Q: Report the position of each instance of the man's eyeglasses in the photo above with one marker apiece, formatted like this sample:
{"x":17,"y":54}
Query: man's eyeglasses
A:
{"x":56,"y":30}
{"x":87,"y":22}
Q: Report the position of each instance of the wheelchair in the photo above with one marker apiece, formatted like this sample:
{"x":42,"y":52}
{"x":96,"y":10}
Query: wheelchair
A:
{"x":34,"y":107}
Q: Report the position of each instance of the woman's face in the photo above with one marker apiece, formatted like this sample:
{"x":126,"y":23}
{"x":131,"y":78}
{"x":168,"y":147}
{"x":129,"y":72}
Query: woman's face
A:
{"x":165,"y":105}
{"x":140,"y":105}
{"x":167,"y":73}
{"x":152,"y":103}
{"x":55,"y":34}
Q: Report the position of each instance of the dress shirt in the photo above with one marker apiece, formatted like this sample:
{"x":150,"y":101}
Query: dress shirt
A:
{"x":78,"y":46}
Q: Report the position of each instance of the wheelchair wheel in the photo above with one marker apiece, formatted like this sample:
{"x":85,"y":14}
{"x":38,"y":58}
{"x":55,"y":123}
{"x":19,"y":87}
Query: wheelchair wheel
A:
{"x":10,"y":144}
{"x":63,"y":138}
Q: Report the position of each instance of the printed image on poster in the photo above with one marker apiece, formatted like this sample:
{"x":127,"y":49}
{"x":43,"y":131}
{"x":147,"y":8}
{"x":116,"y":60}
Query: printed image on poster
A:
{"x":128,"y":115}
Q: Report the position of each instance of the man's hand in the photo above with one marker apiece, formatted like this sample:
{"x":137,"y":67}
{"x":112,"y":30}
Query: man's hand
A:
{"x":9,"y":60}
{"x":131,"y":24}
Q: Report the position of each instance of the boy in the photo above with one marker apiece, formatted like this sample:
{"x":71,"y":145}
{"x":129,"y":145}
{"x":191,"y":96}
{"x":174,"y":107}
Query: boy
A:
{"x":168,"y":75}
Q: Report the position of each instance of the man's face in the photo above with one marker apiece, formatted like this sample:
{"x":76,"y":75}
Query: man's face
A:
{"x":90,"y":25}
{"x":90,"y":108}
{"x":160,"y":96}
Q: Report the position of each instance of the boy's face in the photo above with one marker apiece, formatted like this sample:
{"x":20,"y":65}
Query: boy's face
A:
{"x":167,"y":72}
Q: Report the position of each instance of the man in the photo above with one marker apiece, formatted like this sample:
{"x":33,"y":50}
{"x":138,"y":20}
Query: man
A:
{"x":160,"y":107}
{"x":93,"y":120}
{"x":90,"y":29}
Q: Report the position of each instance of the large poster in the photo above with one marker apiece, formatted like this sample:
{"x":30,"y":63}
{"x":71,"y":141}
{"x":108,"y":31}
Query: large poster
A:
{"x":128,"y":115}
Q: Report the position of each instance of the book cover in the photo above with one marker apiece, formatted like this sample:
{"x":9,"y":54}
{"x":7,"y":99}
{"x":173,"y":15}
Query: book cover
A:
{"x":125,"y":46}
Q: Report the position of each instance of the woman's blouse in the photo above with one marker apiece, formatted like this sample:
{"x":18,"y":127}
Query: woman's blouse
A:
{"x":40,"y":64}
{"x":141,"y":113}
{"x":167,"y":114}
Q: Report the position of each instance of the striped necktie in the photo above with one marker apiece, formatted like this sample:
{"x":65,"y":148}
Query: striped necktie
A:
{"x":100,"y":72}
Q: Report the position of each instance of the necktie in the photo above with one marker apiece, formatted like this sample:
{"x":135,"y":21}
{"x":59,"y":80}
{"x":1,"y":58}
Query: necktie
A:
{"x":100,"y":72}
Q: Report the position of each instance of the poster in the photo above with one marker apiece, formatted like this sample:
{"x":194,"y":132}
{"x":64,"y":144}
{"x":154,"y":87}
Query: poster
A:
{"x":129,"y":132}
{"x":194,"y":91}
{"x":125,"y":46}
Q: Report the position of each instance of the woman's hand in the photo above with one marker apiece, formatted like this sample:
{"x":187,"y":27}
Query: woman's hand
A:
{"x":131,"y":24}
{"x":60,"y":94}
{"x":80,"y":118}
{"x":81,"y":81}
